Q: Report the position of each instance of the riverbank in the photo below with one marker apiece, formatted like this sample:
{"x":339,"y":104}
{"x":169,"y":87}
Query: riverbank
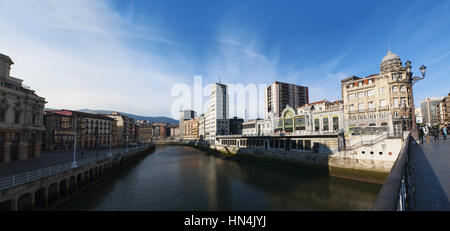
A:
{"x":116,"y":168}
{"x":317,"y":168}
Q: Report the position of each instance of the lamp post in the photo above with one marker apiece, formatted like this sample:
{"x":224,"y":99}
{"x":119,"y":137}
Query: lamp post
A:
{"x":74,"y":162}
{"x":127,"y":144}
{"x":96,"y":139}
{"x":110,"y":150}
{"x":414,"y":80}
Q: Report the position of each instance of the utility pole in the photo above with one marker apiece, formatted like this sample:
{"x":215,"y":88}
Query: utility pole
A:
{"x":96,"y":140}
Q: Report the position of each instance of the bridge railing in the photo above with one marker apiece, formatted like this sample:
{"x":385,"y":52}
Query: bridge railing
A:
{"x":22,"y":178}
{"x":397,"y":192}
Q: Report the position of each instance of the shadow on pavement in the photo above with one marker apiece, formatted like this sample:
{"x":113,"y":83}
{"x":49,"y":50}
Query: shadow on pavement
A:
{"x":429,"y":193}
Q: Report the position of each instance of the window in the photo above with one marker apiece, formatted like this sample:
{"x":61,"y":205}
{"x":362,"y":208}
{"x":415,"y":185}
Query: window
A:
{"x":395,"y":89}
{"x":307,"y":144}
{"x":360,"y":94}
{"x":360,"y":84}
{"x":300,"y":144}
{"x":361,"y":106}
{"x":316,"y":124}
{"x":335,"y":123}
{"x":402,"y":89}
{"x":325,"y":124}
{"x":2,"y":115}
{"x":403,"y":100}
{"x":352,"y":107}
{"x":381,"y":90}
{"x":370,"y":81}
{"x":370,"y":93}
{"x":351,"y":96}
{"x":382,"y":103}
{"x":17,"y":117}
{"x":396,"y":102}
{"x":371,"y":105}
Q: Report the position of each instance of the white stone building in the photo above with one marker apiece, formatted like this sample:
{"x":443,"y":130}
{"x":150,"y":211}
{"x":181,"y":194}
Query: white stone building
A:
{"x":218,"y":112}
{"x":21,"y":117}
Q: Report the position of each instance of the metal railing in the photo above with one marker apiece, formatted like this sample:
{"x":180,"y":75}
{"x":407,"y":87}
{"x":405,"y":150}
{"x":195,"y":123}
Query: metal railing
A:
{"x":397,"y":193}
{"x":22,"y":178}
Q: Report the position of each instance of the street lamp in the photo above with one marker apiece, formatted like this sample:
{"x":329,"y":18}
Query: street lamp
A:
{"x":110,"y":151}
{"x":414,"y":80}
{"x":127,"y":144}
{"x":74,"y":163}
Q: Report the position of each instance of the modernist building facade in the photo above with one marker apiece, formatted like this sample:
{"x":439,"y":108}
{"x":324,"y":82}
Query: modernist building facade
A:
{"x":431,"y":110}
{"x":322,"y":117}
{"x":218,"y":112}
{"x":382,"y":101}
{"x":279,"y":95}
{"x":21,"y":117}
{"x":185,"y":115}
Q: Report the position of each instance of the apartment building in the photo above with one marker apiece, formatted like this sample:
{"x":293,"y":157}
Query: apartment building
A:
{"x":279,"y":95}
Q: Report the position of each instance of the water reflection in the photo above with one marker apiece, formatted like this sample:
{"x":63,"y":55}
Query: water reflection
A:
{"x":183,"y":178}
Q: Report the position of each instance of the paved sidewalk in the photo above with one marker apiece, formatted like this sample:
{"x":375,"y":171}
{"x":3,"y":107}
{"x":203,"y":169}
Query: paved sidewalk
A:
{"x":432,"y":175}
{"x":48,"y":159}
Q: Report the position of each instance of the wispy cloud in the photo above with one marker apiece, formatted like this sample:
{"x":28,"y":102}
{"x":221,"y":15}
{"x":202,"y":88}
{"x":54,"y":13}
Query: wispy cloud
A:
{"x":77,"y":54}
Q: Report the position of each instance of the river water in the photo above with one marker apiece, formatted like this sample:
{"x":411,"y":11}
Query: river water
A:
{"x":184,"y":178}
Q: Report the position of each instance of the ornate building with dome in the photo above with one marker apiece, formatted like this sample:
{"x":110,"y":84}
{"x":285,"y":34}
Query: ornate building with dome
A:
{"x":379,"y":102}
{"x":21,"y":117}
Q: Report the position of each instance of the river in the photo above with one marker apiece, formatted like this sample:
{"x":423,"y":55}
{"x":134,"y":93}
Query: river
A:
{"x":184,"y":178}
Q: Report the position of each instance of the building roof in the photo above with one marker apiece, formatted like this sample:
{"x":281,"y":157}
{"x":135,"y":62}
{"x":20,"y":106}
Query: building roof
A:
{"x":80,"y":114}
{"x":288,"y":83}
{"x":6,"y":58}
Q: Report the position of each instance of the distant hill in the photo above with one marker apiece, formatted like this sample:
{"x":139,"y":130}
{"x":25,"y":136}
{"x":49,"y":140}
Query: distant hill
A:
{"x":135,"y":117}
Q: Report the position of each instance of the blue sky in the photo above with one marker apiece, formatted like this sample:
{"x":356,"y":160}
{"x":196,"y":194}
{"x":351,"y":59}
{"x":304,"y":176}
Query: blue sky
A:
{"x":127,"y":55}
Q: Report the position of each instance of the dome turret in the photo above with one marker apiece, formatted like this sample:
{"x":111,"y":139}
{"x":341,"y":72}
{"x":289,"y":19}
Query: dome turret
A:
{"x":390,"y":62}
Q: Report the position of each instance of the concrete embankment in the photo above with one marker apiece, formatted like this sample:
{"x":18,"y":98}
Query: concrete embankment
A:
{"x":116,"y":167}
{"x":338,"y":165}
{"x":54,"y":190}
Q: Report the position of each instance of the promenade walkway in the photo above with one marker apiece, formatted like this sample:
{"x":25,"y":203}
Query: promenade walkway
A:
{"x":432,"y":175}
{"x":48,"y":159}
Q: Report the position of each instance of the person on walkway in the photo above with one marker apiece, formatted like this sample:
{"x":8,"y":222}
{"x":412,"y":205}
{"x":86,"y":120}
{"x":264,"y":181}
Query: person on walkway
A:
{"x":435,"y":133}
{"x":421,"y":134}
{"x":444,"y":133}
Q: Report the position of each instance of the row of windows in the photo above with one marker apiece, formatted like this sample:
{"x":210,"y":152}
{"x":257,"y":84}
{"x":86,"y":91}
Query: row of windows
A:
{"x":370,"y":105}
{"x":277,"y":144}
{"x":17,"y":116}
{"x":360,"y":83}
{"x":381,"y":115}
{"x":362,"y":94}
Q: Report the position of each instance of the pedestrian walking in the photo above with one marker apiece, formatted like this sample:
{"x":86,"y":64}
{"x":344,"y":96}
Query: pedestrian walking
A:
{"x":435,"y":132}
{"x":444,"y":133}
{"x":421,"y":134}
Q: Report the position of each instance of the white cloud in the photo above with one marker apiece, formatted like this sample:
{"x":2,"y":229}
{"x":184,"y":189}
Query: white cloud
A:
{"x":77,"y":54}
